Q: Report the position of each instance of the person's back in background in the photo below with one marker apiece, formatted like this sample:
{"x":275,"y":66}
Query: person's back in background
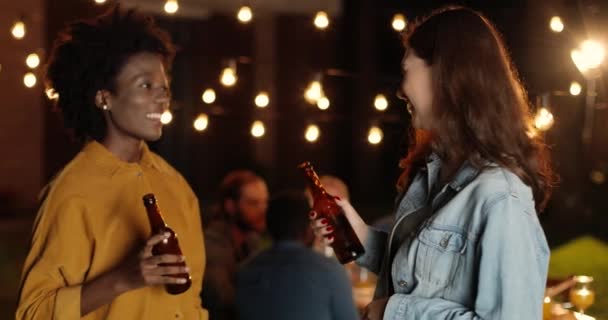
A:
{"x":290,"y":280}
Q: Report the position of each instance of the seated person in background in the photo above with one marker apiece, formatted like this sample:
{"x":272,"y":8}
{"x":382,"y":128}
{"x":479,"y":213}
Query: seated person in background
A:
{"x":235,"y":232}
{"x":290,"y":280}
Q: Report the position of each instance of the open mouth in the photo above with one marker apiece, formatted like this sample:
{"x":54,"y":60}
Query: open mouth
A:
{"x":154,"y":116}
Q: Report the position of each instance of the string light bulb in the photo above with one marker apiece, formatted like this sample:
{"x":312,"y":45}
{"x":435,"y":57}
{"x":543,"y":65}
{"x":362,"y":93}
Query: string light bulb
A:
{"x":380,"y":102}
{"x":32,"y":61}
{"x":18,"y":30}
{"x":312,"y":133}
{"x":29,"y":80}
{"x":262,"y":100}
{"x":556,"y":24}
{"x":51,"y":94}
{"x":201,"y":122}
{"x":208,"y":96}
{"x":314,"y":92}
{"x":257,"y":129}
{"x":245,"y":14}
{"x":171,"y":6}
{"x":166,"y":117}
{"x":321,"y":20}
{"x":575,"y":88}
{"x":100,"y":1}
{"x":375,"y":135}
{"x":399,"y":22}
{"x":228,"y":77}
{"x":323,"y":103}
{"x":589,"y":56}
{"x":543,"y":120}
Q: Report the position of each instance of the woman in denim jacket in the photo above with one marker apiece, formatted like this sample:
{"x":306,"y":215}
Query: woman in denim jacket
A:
{"x":466,"y":243}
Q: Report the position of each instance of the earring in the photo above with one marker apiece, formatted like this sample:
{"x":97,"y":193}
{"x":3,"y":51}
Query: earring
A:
{"x":104,"y":107}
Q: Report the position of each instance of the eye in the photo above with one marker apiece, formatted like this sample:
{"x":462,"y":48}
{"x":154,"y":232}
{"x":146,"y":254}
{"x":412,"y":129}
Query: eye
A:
{"x":146,"y":85}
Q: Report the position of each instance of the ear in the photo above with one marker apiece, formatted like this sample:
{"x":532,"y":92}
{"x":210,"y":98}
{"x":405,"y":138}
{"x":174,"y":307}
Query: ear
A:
{"x":102,"y":100}
{"x":230,"y":206}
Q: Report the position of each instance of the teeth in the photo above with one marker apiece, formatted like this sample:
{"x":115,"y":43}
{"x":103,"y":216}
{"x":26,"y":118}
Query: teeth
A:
{"x":154,"y":116}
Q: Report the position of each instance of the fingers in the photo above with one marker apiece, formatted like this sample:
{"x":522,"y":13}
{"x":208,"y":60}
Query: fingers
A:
{"x":153,"y":261}
{"x":147,"y":252}
{"x":160,"y":280}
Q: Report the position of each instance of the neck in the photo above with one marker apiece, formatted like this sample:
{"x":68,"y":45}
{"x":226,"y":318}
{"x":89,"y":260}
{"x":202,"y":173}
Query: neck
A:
{"x":128,"y":150}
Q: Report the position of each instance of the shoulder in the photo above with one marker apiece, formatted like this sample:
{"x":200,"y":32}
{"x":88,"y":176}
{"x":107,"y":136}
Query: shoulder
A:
{"x":497,"y":185}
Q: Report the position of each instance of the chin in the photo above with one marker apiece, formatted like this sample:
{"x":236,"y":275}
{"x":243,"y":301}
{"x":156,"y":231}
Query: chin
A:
{"x":153,"y":137}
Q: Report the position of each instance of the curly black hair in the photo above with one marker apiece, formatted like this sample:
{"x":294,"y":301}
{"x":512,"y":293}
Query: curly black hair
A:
{"x":87,"y":57}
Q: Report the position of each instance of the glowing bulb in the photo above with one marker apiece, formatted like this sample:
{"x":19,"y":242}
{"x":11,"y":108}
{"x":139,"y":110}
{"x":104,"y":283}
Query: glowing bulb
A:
{"x":556,"y":24}
{"x":598,"y":177}
{"x":543,"y":120}
{"x":399,"y":22}
{"x":171,"y":6}
{"x":589,"y":56}
{"x":257,"y":129}
{"x":100,"y":1}
{"x":245,"y":14}
{"x":380,"y":102}
{"x":51,"y":94}
{"x":29,"y":79}
{"x":32,"y":61}
{"x":375,"y":135}
{"x":314,"y":92}
{"x":201,"y":122}
{"x":323,"y":103}
{"x":208,"y":96}
{"x":166,"y":117}
{"x":312,"y":133}
{"x":262,"y":100}
{"x":321,"y":20}
{"x":228,"y":77}
{"x":575,"y":88}
{"x":18,"y":30}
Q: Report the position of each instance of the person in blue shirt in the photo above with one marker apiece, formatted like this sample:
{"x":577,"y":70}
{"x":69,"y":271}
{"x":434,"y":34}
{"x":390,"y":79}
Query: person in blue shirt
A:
{"x":290,"y":280}
{"x":466,"y":242}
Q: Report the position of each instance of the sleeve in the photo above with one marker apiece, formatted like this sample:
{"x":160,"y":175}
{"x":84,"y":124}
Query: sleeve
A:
{"x":56,"y":265}
{"x":374,"y":246}
{"x":342,"y":302}
{"x":512,"y":272}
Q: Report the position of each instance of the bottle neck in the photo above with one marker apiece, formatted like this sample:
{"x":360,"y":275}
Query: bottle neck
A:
{"x":316,"y":188}
{"x":157,"y":223}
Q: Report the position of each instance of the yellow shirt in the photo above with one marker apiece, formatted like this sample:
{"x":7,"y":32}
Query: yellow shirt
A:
{"x":92,"y":219}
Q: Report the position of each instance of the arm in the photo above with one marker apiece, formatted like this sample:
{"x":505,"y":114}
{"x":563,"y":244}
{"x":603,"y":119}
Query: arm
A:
{"x":512,"y":272}
{"x":375,"y":247}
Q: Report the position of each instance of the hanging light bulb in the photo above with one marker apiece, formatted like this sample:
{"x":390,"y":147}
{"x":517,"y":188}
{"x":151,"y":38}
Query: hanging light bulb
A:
{"x":314,"y":92}
{"x":228,"y":77}
{"x":312,"y":133}
{"x":380,"y":102}
{"x":589,"y":56}
{"x":29,"y":79}
{"x":321,"y":20}
{"x":245,"y":14}
{"x":556,"y":24}
{"x":100,"y":1}
{"x":166,"y":117}
{"x":201,"y":122}
{"x":257,"y":129}
{"x":262,"y":100}
{"x":575,"y":88}
{"x":32,"y":61}
{"x":323,"y":103}
{"x":543,"y":120}
{"x":18,"y":30}
{"x":51,"y":94}
{"x":399,"y":23}
{"x":171,"y":6}
{"x":208,"y":96}
{"x":375,"y":135}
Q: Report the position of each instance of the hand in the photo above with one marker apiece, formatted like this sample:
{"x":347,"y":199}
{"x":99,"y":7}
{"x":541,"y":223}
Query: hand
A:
{"x":145,"y":269}
{"x":321,"y":226}
{"x":375,"y":310}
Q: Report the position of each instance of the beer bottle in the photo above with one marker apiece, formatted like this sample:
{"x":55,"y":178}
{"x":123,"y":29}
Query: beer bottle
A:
{"x":346,"y":245}
{"x":167,"y":246}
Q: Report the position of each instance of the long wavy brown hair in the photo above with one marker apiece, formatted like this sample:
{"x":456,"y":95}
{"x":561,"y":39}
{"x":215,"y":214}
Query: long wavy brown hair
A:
{"x":480,"y":107}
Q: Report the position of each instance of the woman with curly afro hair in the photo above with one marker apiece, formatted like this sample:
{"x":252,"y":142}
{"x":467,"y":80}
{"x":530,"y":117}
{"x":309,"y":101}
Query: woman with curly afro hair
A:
{"x":91,"y":250}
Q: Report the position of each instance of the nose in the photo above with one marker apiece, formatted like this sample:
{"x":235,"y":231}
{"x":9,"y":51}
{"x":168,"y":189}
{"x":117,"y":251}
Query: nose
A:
{"x":163,"y":97}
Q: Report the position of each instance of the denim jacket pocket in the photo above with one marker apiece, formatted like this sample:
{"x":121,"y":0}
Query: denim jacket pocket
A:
{"x":440,"y":250}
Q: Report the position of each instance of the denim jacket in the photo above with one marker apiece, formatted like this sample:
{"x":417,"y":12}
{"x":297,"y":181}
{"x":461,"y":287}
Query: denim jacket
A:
{"x":481,"y":253}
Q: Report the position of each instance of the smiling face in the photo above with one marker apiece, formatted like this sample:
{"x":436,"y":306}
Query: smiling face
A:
{"x":141,"y":96}
{"x":416,"y":88}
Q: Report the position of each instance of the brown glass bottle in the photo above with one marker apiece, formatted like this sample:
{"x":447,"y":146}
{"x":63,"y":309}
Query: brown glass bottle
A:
{"x":168,"y":246}
{"x":346,"y":245}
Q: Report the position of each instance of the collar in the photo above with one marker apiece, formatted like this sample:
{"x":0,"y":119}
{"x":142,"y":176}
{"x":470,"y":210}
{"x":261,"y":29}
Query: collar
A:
{"x":108,"y":161}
